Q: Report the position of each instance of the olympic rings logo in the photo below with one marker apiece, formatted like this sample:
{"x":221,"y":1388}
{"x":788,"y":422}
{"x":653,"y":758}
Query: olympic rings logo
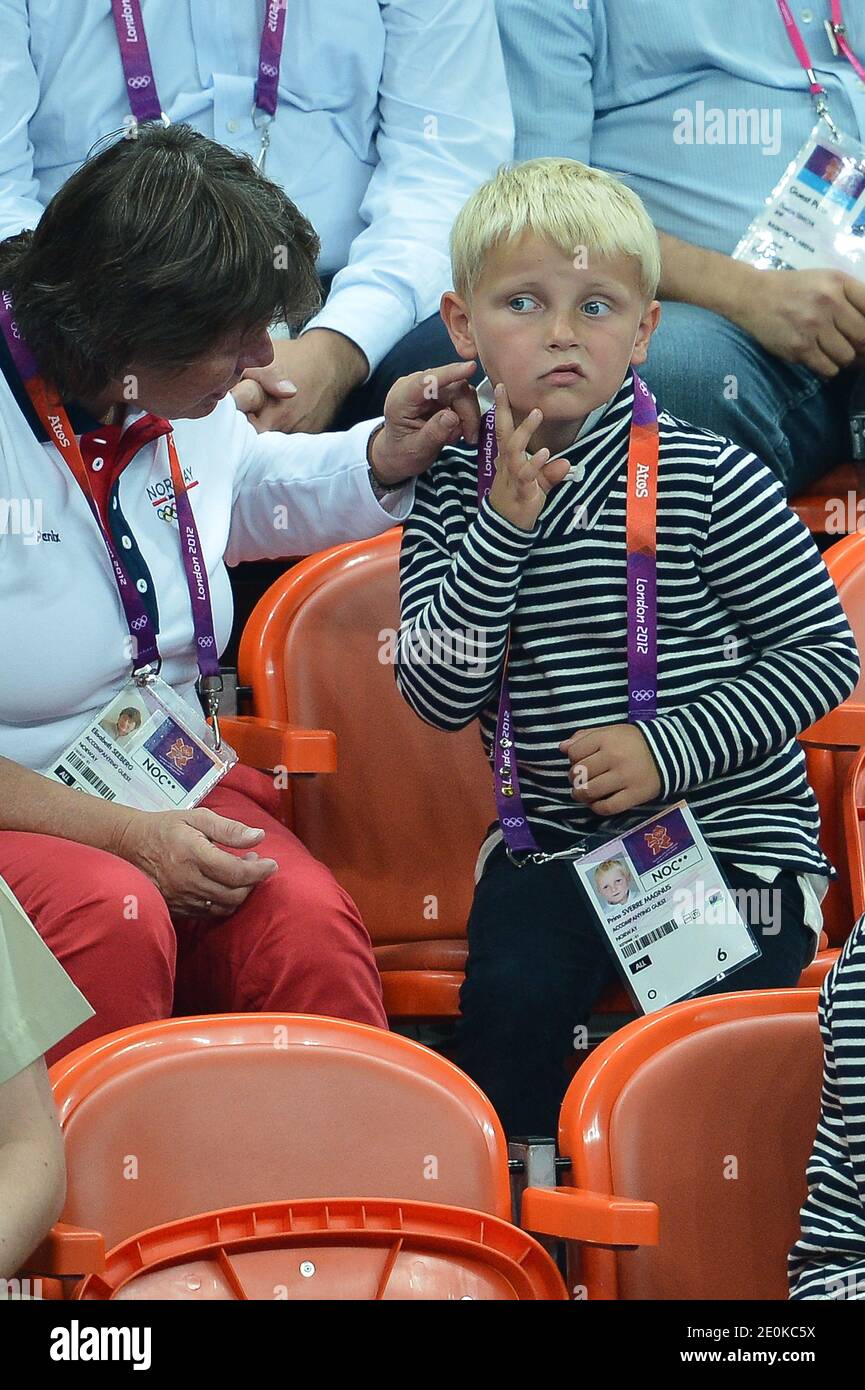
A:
{"x":512,"y":822}
{"x":138,"y":623}
{"x":205,"y":641}
{"x":136,"y":83}
{"x":268,"y":70}
{"x":167,"y":513}
{"x":642,"y":695}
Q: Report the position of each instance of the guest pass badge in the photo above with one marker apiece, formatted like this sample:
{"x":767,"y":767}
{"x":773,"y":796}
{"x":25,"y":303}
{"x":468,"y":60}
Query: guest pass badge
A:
{"x":815,"y":216}
{"x":147,"y":749}
{"x":669,"y":918}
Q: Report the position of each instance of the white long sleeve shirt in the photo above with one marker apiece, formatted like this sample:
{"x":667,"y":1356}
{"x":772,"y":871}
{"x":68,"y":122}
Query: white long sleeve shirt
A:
{"x":64,"y":644}
{"x":391,"y":112}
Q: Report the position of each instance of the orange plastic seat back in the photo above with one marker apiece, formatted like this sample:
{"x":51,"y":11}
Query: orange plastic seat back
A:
{"x":846,"y":563}
{"x":709,"y":1109}
{"x":170,"y":1119}
{"x":340,"y":1250}
{"x":400,"y":823}
{"x":828,"y":771}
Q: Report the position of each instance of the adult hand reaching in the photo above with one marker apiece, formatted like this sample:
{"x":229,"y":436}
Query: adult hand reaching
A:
{"x":180,"y":852}
{"x":422,"y":413}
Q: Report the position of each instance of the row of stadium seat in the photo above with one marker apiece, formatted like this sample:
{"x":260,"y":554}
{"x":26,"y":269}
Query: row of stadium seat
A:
{"x":284,"y":1156}
{"x":281,"y":1156}
{"x":400,"y":826}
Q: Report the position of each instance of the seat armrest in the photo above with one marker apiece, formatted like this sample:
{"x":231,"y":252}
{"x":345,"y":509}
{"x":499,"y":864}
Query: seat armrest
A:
{"x":271,"y":745}
{"x":596,"y":1218}
{"x":68,"y":1251}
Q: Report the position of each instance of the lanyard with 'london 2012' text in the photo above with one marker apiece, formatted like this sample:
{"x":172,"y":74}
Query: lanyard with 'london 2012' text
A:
{"x":141,"y":83}
{"x":642,"y":609}
{"x":55,"y":421}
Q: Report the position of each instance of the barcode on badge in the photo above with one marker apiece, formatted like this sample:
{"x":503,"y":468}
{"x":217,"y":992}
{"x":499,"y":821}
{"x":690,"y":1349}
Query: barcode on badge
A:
{"x":90,"y":776}
{"x":632,"y":947}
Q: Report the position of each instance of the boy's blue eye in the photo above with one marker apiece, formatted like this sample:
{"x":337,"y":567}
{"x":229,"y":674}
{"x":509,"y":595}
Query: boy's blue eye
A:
{"x":596,"y":309}
{"x":520,"y":299}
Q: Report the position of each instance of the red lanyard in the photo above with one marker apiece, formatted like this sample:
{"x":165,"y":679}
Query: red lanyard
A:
{"x":818,"y":91}
{"x":55,"y":421}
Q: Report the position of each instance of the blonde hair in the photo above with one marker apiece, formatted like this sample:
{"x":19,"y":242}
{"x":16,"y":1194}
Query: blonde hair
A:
{"x":562,"y":201}
{"x":604,"y":868}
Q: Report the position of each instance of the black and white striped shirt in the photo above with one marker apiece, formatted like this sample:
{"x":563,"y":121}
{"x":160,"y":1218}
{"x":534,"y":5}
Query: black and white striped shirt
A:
{"x":828,"y":1260}
{"x":753,"y":644}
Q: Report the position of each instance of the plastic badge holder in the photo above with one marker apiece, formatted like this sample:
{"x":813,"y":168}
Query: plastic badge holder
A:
{"x":815,"y":216}
{"x":342,"y":1248}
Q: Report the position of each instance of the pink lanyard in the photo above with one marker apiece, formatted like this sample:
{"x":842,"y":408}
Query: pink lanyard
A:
{"x":818,"y":91}
{"x":141,"y":83}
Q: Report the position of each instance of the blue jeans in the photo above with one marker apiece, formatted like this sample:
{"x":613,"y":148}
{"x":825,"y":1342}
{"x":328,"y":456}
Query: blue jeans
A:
{"x":705,"y":370}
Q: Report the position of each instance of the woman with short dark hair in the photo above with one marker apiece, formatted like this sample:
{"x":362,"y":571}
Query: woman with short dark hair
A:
{"x":128,"y":479}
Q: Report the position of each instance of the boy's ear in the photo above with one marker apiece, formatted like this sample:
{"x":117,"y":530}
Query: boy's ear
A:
{"x":648,"y":324}
{"x":457,"y":321}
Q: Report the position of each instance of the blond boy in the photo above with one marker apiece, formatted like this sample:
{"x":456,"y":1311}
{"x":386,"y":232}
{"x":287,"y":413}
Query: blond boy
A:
{"x":555,"y":268}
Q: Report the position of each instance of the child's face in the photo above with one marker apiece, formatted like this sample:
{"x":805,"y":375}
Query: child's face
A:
{"x":560,"y":338}
{"x":613,"y":886}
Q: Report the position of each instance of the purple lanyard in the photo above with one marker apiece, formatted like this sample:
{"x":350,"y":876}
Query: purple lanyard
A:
{"x":138,"y":69}
{"x":55,"y":421}
{"x":642,"y":605}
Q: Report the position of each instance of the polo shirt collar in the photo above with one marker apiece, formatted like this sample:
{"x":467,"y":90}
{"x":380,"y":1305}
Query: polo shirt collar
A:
{"x":486,"y":401}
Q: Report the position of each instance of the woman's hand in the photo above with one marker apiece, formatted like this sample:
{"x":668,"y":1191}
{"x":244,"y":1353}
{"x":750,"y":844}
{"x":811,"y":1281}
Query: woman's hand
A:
{"x":422,"y":413}
{"x":179,"y":852}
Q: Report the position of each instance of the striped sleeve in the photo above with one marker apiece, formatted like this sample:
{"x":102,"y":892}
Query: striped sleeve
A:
{"x":828,"y":1259}
{"x":845,"y":1058}
{"x":765,"y":570}
{"x":459,"y":579}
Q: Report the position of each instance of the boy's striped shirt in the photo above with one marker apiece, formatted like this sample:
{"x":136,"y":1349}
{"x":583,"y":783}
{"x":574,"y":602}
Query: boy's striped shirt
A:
{"x":753,"y":644}
{"x":828,"y":1260}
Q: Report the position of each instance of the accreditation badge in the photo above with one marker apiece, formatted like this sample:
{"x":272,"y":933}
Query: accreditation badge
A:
{"x":665,"y":909}
{"x":815,"y":216}
{"x":147,"y":749}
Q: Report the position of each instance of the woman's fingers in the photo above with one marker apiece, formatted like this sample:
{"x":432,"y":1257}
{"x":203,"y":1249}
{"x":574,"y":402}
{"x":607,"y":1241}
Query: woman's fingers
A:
{"x":220,"y":867}
{"x":204,"y":898}
{"x":462,"y":399}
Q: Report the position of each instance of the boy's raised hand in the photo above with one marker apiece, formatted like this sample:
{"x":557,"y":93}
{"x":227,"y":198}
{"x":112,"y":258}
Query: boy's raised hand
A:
{"x":522,"y":480}
{"x":612,"y":768}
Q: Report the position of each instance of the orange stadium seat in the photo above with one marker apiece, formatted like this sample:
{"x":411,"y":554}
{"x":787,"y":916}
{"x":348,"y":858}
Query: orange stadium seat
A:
{"x":168,"y":1120}
{"x":317,"y":651}
{"x":669,"y":1199}
{"x":342,"y":1249}
{"x":843,"y":485}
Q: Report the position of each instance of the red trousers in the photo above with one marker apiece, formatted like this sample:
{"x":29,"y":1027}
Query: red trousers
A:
{"x":296,"y":945}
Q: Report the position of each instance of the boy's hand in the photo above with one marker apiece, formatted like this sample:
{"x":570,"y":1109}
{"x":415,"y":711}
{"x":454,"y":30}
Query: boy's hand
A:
{"x":612,"y":768}
{"x":522,"y":480}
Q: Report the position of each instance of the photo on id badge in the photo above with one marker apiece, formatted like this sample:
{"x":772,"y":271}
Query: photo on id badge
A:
{"x":833,"y":177}
{"x":615,"y":885}
{"x":124,"y":724}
